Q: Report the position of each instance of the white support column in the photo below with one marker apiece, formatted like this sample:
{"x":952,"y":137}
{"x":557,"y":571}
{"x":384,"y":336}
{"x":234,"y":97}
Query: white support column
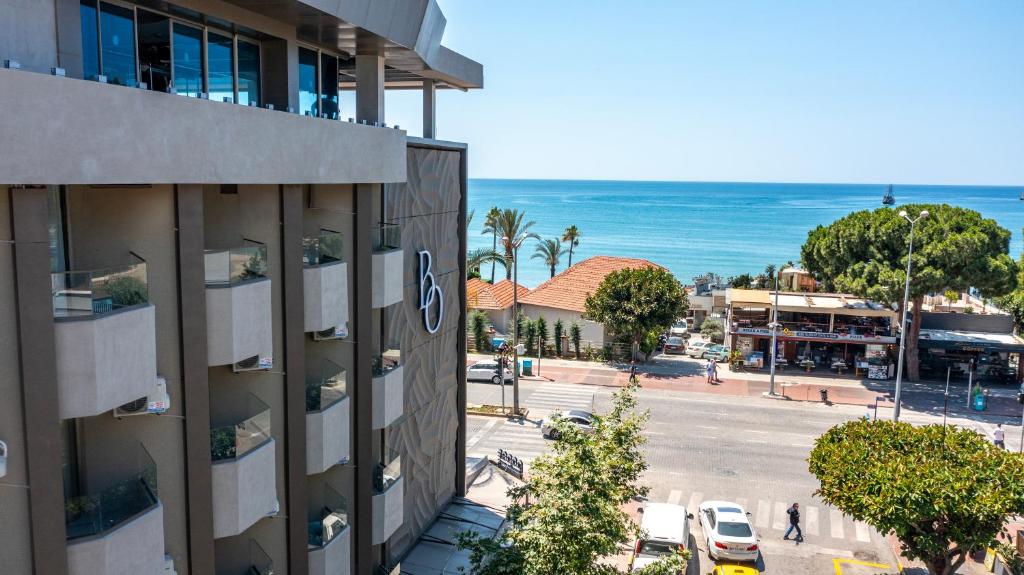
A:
{"x":429,"y":109}
{"x":370,"y":82}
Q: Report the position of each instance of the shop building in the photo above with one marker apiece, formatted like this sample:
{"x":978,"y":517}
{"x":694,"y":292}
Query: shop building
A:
{"x":966,"y":342}
{"x":819,"y":331}
{"x":231,"y":308}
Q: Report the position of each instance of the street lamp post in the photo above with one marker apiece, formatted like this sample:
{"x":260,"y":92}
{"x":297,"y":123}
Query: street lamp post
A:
{"x":775,"y":335}
{"x":514,"y":244}
{"x":906,"y":301}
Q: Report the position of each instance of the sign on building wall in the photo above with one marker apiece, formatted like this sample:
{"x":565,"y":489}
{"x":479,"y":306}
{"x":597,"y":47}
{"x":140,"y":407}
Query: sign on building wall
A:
{"x":431,"y":296}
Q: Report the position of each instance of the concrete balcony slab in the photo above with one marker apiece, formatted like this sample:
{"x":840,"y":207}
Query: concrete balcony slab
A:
{"x":388,"y":511}
{"x":239,"y":323}
{"x":327,"y":437}
{"x":388,"y":277}
{"x":136,"y":546}
{"x":333,"y":558}
{"x":244,"y":490}
{"x":388,"y":398}
{"x":325,"y":289}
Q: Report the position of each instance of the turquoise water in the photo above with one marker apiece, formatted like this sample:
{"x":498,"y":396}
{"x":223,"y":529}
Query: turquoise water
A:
{"x":694,"y":227}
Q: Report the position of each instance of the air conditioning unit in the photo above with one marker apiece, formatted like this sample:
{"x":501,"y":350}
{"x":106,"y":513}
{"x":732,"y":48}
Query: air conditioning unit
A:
{"x":157,"y":402}
{"x":254,"y":363}
{"x":337,"y":332}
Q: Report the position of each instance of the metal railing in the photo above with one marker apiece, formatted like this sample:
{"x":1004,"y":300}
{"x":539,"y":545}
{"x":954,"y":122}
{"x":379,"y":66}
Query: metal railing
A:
{"x":387,"y":236}
{"x":323,"y":249}
{"x":96,"y":292}
{"x":326,"y":388}
{"x":387,"y":471}
{"x":235,"y":440}
{"x":330,"y":521}
{"x":236,"y":265}
{"x":99,"y":512}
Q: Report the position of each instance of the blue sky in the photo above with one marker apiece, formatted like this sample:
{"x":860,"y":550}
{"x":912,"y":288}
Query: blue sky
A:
{"x":927,"y":92}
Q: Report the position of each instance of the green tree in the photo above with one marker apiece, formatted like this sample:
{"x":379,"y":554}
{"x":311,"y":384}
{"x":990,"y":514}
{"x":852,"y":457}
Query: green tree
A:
{"x":634,"y":301}
{"x":649,"y":343}
{"x":575,"y":336}
{"x":711,"y":329}
{"x":491,"y":227}
{"x":571,"y":236}
{"x":479,"y":257}
{"x":1013,"y":303}
{"x":542,"y":335}
{"x":506,"y":226}
{"x":549,"y":250}
{"x":742,"y":281}
{"x":478,"y":325}
{"x":559,"y":331}
{"x":865,"y":253}
{"x":773,"y":278}
{"x":530,"y":332}
{"x":574,"y":518}
{"x":943,"y":491}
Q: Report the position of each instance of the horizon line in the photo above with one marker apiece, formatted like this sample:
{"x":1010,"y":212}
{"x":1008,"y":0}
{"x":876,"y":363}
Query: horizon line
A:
{"x":603,"y":180}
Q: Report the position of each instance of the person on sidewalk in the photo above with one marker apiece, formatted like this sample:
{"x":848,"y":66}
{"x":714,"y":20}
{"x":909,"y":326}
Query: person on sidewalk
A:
{"x":714,"y":371}
{"x":794,"y":523}
{"x":709,"y":369}
{"x":999,"y":436}
{"x":632,"y":371}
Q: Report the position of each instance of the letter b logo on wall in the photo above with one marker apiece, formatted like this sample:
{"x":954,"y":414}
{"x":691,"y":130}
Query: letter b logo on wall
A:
{"x":431,"y":295}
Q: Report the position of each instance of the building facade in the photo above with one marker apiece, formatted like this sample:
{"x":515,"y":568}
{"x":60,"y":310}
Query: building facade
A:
{"x":231,"y":332}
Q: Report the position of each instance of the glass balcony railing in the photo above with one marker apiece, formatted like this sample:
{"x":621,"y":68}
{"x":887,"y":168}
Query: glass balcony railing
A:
{"x":330,"y":521}
{"x":99,"y":512}
{"x":259,"y":562}
{"x":323,"y":249}
{"x":96,"y":292}
{"x":387,"y":472}
{"x":236,"y":265}
{"x":387,"y":360}
{"x":387,"y":236}
{"x":326,"y":388}
{"x":235,"y":440}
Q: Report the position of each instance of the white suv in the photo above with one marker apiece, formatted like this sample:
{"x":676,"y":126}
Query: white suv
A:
{"x":486,"y":371}
{"x":697,"y":348}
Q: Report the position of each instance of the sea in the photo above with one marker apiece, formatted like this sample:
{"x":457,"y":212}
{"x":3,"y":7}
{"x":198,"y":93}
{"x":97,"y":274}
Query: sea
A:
{"x":693,"y":228}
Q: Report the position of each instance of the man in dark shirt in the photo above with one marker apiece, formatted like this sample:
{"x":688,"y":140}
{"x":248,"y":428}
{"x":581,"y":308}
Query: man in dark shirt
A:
{"x":794,"y":522}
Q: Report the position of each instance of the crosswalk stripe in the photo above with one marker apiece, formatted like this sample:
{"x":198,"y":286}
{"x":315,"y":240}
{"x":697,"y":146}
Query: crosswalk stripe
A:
{"x":779,"y":522}
{"x":812,"y":520}
{"x":564,"y":392}
{"x":863,"y":531}
{"x":479,"y":434}
{"x":674,"y":496}
{"x":694,"y":502}
{"x":836,"y":519}
{"x":764,"y":513}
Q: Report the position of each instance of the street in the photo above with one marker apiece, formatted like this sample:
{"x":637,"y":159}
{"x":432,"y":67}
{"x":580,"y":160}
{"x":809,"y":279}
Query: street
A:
{"x":702,"y":446}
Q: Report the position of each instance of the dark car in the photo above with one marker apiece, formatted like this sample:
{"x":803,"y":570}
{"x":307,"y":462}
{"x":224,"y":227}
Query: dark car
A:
{"x":675,"y":344}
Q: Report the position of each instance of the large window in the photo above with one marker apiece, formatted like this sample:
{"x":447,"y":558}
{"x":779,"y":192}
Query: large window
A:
{"x":155,"y":50}
{"x":329,"y":86}
{"x":220,"y":55}
{"x":318,"y":84}
{"x":90,"y":40}
{"x":188,"y":60}
{"x":248,"y":72}
{"x":307,"y":83}
{"x":108,"y":42}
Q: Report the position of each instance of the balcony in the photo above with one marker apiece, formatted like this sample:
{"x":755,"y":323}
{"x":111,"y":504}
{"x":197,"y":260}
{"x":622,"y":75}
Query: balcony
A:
{"x":325,"y":284}
{"x":388,"y":388}
{"x":119,"y":529}
{"x":329,"y":536}
{"x":105,"y":336}
{"x":239,"y":326}
{"x":388,"y":497}
{"x":388,"y":265}
{"x":328,"y":419}
{"x":244,"y":469}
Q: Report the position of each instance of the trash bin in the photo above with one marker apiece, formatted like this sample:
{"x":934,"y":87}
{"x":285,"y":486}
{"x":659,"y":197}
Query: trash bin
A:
{"x":980,"y":401}
{"x":527,"y":367}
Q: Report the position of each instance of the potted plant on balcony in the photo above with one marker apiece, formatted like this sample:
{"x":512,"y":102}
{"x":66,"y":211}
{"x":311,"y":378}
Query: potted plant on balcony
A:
{"x":127,"y":291}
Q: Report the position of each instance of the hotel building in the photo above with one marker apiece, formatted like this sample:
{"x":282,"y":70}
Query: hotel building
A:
{"x":231,"y":309}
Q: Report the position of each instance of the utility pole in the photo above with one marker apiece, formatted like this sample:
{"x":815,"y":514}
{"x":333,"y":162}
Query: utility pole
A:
{"x":903,"y":321}
{"x":775,"y":334}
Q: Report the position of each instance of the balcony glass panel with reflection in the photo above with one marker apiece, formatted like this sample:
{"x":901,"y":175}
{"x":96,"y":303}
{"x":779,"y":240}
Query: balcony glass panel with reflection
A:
{"x":234,"y":440}
{"x":236,"y":265}
{"x":330,"y":521}
{"x":323,"y":249}
{"x":387,"y":236}
{"x":248,"y":73}
{"x":101,"y":511}
{"x":308,"y":83}
{"x":387,"y":472}
{"x":155,"y":50}
{"x":117,"y":41}
{"x":188,"y":60}
{"x":326,"y":388}
{"x":219,"y":59}
{"x":97,"y":292}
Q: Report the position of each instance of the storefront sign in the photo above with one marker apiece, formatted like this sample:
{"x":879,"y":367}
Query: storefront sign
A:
{"x":430,"y":294}
{"x":817,"y":336}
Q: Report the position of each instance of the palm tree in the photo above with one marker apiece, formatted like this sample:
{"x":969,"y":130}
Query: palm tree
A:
{"x":549,"y":250}
{"x":479,"y":257}
{"x":572,"y":236}
{"x":509,"y":224}
{"x":489,"y":227}
{"x":769,"y":272}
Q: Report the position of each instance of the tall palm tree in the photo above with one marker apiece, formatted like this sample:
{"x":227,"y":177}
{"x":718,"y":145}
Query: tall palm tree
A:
{"x":549,"y":250}
{"x":489,"y":227}
{"x":769,"y":272}
{"x":572,"y":237}
{"x":509,"y":224}
{"x":479,"y":257}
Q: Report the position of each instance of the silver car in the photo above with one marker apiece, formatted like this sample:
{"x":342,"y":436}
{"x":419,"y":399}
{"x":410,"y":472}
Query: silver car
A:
{"x":582,"y":419}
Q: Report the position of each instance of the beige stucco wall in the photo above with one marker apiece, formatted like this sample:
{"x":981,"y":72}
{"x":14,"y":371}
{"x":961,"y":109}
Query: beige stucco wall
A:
{"x":590,"y":332}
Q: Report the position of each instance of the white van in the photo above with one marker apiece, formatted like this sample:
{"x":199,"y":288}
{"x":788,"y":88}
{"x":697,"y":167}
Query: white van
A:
{"x":667,"y":530}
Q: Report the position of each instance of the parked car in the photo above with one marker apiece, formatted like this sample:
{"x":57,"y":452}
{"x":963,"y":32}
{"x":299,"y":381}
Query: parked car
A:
{"x":716,"y":352}
{"x":668,"y":531}
{"x":680,"y":329}
{"x":486,"y":371}
{"x":735,"y":570}
{"x":696,"y":348}
{"x":582,"y":419}
{"x":728,"y":531}
{"x":674,"y":344}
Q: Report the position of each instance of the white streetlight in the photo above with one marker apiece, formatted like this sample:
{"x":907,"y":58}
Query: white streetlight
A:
{"x":774,"y":325}
{"x":903,"y":320}
{"x":514,"y":244}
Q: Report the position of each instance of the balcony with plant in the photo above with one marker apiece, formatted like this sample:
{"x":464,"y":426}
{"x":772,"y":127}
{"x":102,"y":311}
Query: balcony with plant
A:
{"x":329,"y":536}
{"x":325,"y":284}
{"x":244,"y":467}
{"x":388,"y":495}
{"x":239,"y":323}
{"x":388,"y":265}
{"x":328,"y":417}
{"x":388,"y":385}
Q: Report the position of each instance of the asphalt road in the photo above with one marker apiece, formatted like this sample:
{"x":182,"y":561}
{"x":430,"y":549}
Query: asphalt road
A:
{"x":748,"y":450}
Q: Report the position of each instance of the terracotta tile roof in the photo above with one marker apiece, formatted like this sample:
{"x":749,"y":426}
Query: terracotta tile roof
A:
{"x":482,"y":295}
{"x":569,"y":289}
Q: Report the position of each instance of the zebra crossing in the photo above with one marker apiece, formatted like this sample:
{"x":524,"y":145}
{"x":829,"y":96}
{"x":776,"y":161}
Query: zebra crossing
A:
{"x":560,"y":396}
{"x":767,"y":515}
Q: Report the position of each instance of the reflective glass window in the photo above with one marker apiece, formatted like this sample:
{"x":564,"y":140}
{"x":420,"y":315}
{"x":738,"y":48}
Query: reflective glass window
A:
{"x":329,"y":86}
{"x":117,"y":27}
{"x":154,"y":50}
{"x":248,"y":72}
{"x":222,"y":74}
{"x":307,"y":82}
{"x":90,"y":40}
{"x":188,"y":60}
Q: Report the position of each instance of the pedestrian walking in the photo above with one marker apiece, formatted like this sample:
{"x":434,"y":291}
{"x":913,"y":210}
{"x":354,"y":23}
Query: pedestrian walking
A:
{"x":999,"y":436}
{"x":632,"y":371}
{"x":794,"y":523}
{"x":709,"y":370}
{"x":714,"y":371}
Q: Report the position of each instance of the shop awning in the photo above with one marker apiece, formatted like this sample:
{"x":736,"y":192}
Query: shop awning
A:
{"x":970,"y":341}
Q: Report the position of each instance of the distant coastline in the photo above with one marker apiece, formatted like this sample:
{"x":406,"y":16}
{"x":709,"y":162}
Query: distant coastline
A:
{"x":696,"y":227}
